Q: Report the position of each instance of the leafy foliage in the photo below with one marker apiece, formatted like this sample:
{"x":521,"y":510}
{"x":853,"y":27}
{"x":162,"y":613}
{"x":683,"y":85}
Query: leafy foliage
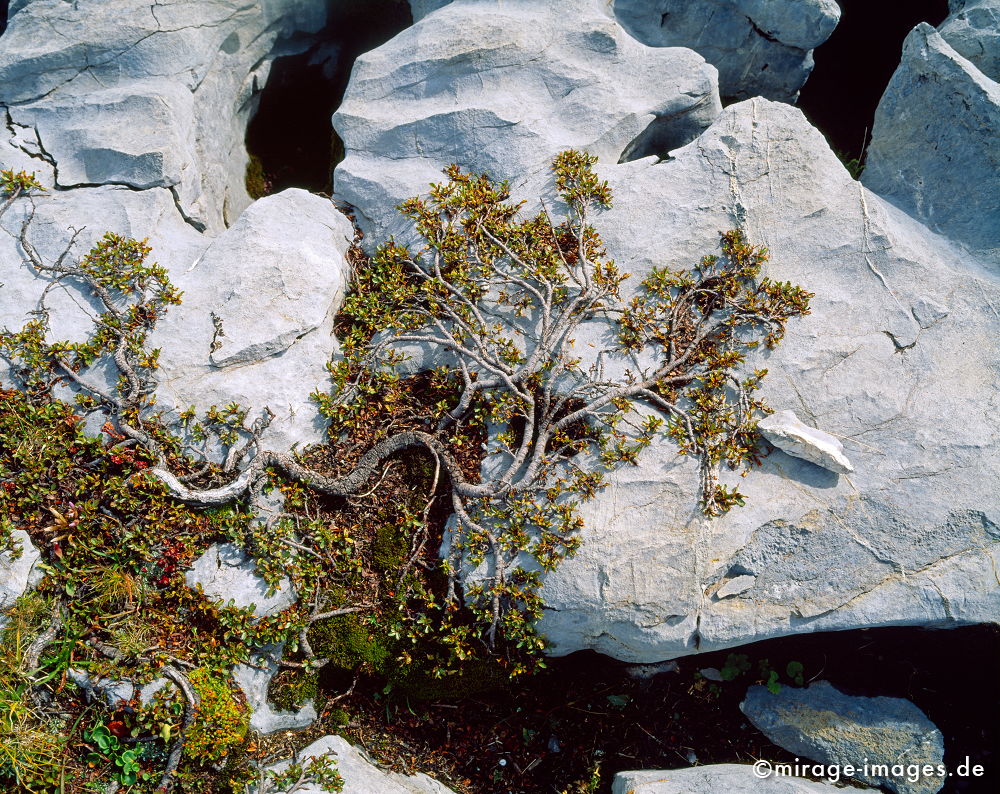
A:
{"x":14,"y":183}
{"x":499,"y":300}
{"x":315,"y":771}
{"x":491,"y":449}
{"x":108,"y":749}
{"x":221,"y":719}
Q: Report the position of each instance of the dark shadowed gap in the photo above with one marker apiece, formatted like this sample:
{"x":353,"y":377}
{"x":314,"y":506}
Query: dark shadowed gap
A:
{"x":542,"y":734}
{"x":4,"y":6}
{"x":854,"y":66}
{"x":290,"y":139}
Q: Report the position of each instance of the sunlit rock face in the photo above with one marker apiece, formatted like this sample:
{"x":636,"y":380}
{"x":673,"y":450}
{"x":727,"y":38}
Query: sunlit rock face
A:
{"x":897,"y":361}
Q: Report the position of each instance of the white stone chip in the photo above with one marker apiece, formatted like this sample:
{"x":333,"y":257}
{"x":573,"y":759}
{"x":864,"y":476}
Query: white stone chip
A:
{"x":789,"y":434}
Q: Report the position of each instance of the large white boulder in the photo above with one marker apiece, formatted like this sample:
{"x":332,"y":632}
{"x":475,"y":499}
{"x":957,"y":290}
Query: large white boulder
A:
{"x":502,"y":87}
{"x":897,"y":361}
{"x":912,"y":537}
{"x":934,"y":149}
{"x":256,"y":324}
{"x":760,"y":47}
{"x":274,"y":294}
{"x":149,"y":94}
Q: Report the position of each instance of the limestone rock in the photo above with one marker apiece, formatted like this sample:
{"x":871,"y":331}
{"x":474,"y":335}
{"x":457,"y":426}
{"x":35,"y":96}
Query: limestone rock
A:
{"x":421,"y":8}
{"x":825,"y":725}
{"x":760,"y":47}
{"x":18,"y":571}
{"x":146,"y":95}
{"x":256,"y":323}
{"x":912,"y":537}
{"x":713,"y":779}
{"x":95,"y":140}
{"x":501,"y":88}
{"x":225,"y":573}
{"x":973,"y":30}
{"x":789,"y":434}
{"x":735,"y":586}
{"x":273,"y":357}
{"x":254,"y":679}
{"x":114,"y":692}
{"x":359,"y":772}
{"x":140,"y":214}
{"x":933,"y":151}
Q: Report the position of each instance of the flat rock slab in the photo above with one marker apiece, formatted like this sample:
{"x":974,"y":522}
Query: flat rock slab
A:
{"x":359,"y":772}
{"x":18,"y":570}
{"x":254,"y":679}
{"x":715,"y":779}
{"x":825,"y":725}
{"x":225,"y":573}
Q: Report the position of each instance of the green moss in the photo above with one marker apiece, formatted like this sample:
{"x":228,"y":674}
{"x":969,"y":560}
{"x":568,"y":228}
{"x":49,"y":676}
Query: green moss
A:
{"x":349,"y":643}
{"x":391,"y":547}
{"x":256,"y":180}
{"x":339,"y":717}
{"x":291,"y":689}
{"x":475,"y":677}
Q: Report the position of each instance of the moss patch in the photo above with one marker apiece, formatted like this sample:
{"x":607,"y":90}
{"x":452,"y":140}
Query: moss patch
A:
{"x":291,"y":689}
{"x":256,"y":179}
{"x":477,"y":676}
{"x":349,"y":643}
{"x":391,"y":547}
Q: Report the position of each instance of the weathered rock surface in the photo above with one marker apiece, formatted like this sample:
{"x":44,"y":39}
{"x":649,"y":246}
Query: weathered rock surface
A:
{"x":359,"y":772}
{"x":760,"y":47}
{"x":148,"y":95}
{"x":134,"y":118}
{"x":791,"y":435}
{"x":713,"y":779}
{"x":225,"y":573}
{"x":934,"y":148}
{"x":973,"y":30}
{"x":898,"y":360}
{"x":274,"y":295}
{"x":825,"y":725}
{"x":501,"y":88}
{"x":112,"y":691}
{"x":256,"y":324}
{"x":18,"y":571}
{"x":254,"y":679}
{"x":140,"y":214}
{"x":912,"y":537}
